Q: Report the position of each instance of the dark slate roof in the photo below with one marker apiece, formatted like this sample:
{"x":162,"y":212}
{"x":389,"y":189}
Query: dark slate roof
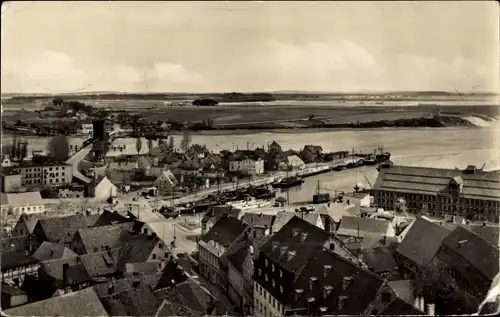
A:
{"x":290,"y":237}
{"x":30,"y":220}
{"x":124,"y":284}
{"x":54,"y":268}
{"x":62,"y":229}
{"x":50,"y":251}
{"x":16,"y":259}
{"x":92,"y":219}
{"x":77,"y":274}
{"x":171,"y":274}
{"x":82,"y":303}
{"x":399,"y":307}
{"x":360,"y":292}
{"x":380,"y":260}
{"x":136,"y":301}
{"x":489,"y":233}
{"x":258,"y":220}
{"x":218,"y":212}
{"x":421,"y":248}
{"x":185,"y":298}
{"x":100,"y":263}
{"x":135,"y":249}
{"x":225,"y":231}
{"x":475,"y":250}
{"x":238,"y":253}
{"x":423,"y":180}
{"x":110,"y":218}
{"x":104,"y":236}
{"x":15,"y":244}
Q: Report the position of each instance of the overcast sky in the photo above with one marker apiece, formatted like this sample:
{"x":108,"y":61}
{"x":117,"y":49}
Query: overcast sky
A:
{"x":249,"y":46}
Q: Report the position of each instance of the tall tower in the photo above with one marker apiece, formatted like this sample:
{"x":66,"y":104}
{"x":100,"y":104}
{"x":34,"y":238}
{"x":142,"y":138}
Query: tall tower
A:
{"x":99,"y":130}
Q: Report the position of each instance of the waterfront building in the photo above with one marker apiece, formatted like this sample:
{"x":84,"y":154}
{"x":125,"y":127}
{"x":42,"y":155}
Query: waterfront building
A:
{"x":102,"y":189}
{"x":48,"y":173}
{"x":247,"y":166}
{"x":18,"y":203}
{"x":311,"y":153}
{"x":472,"y":193}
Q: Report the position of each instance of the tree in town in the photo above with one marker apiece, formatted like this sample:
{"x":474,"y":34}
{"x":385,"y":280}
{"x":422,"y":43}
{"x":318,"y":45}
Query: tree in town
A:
{"x":170,"y":144}
{"x":311,"y":116}
{"x":58,"y":147}
{"x":13,"y":150}
{"x":24,"y":150}
{"x":57,"y":101}
{"x":138,"y":145}
{"x":185,"y":141}
{"x":19,"y":146}
{"x":150,"y":144}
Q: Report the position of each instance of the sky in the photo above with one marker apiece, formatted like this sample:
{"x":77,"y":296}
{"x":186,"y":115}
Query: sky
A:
{"x":70,"y":47}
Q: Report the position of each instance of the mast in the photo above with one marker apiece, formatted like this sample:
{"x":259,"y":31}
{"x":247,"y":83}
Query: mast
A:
{"x":317,"y":188}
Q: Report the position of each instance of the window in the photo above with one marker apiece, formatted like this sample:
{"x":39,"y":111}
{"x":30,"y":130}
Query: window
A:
{"x":154,"y":256}
{"x":96,"y":249}
{"x":274,"y":284}
{"x":160,"y":245}
{"x":281,"y":289}
{"x":266,"y":263}
{"x":265,"y":277}
{"x":281,"y":273}
{"x":272,"y":267}
{"x":260,"y":272}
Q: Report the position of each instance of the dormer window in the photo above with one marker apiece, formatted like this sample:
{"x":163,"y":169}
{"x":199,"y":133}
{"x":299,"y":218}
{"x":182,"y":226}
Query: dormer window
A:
{"x":266,"y":262}
{"x":272,"y":267}
{"x":281,"y":273}
{"x":260,"y":272}
{"x":265,"y":277}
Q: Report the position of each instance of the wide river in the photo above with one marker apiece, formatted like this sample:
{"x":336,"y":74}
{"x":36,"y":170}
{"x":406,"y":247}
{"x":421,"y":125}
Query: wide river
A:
{"x":443,"y":147}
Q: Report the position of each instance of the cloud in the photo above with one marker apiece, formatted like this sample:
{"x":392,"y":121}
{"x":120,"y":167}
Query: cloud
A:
{"x":175,"y":73}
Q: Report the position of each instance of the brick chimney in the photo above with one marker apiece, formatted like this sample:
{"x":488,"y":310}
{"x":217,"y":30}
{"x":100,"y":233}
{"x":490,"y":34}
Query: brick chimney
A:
{"x":327,"y":290}
{"x":341,"y":301}
{"x":298,"y":293}
{"x":312,"y":282}
{"x":326,"y":270}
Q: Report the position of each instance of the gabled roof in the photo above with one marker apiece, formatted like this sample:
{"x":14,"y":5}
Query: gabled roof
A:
{"x":50,"y":251}
{"x":283,"y":217}
{"x":137,"y":248}
{"x":171,"y":274}
{"x":335,"y":210}
{"x":421,"y":248}
{"x":110,"y":218}
{"x":225,"y":231}
{"x":185,"y":299}
{"x":62,"y":229}
{"x":238,"y":253}
{"x":22,"y":199}
{"x":30,"y":220}
{"x":315,"y":149}
{"x":360,"y":292}
{"x":100,"y":263}
{"x":54,"y":268}
{"x":399,"y":307}
{"x":380,"y":260}
{"x":104,"y":236}
{"x":475,"y":250}
{"x":15,"y":259}
{"x":136,"y":301}
{"x":431,"y":181}
{"x":489,"y":233}
{"x":290,"y":236}
{"x":354,"y":226}
{"x":81,"y":303}
{"x":20,"y":243}
{"x":258,"y":220}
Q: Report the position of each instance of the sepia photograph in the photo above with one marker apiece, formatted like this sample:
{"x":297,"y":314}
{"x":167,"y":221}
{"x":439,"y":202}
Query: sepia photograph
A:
{"x":250,"y":158}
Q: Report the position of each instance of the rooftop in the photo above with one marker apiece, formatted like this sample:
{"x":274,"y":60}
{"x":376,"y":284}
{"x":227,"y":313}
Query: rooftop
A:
{"x":22,"y":199}
{"x":50,"y":251}
{"x":10,"y":260}
{"x":62,"y":229}
{"x":359,"y":226}
{"x":421,"y":248}
{"x":99,"y":238}
{"x":82,"y":303}
{"x":258,"y":220}
{"x":430,"y":181}
{"x":225,"y":231}
{"x":282,"y":218}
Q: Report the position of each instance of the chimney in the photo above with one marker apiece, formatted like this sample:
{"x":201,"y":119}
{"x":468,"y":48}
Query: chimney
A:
{"x":65,"y":275}
{"x":312,"y":281}
{"x":421,"y":304}
{"x":326,"y":270}
{"x":310,"y":302}
{"x":303,"y":236}
{"x":416,"y":304}
{"x":276,"y":244}
{"x":283,"y":249}
{"x":346,"y":282}
{"x":327,"y":290}
{"x":341,"y":301}
{"x":431,"y":309}
{"x":298,"y":293}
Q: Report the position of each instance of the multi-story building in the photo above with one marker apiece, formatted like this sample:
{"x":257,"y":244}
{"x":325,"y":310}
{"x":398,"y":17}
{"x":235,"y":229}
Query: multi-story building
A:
{"x":213,"y":248}
{"x":472,"y":192}
{"x":282,"y":260}
{"x":247,"y":165}
{"x":52,"y":174}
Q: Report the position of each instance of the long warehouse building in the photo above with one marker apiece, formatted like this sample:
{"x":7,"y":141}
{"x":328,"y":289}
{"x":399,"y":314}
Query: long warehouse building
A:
{"x":472,"y":192}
